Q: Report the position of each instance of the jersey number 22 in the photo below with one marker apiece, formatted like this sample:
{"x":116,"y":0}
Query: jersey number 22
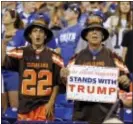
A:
{"x":35,"y":85}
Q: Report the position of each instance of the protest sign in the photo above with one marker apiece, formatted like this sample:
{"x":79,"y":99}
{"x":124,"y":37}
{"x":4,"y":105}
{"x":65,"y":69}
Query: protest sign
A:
{"x":93,"y":84}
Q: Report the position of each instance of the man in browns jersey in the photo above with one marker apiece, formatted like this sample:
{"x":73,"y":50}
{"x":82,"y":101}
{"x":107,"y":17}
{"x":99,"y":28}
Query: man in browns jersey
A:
{"x":96,"y":54}
{"x":39,"y":69}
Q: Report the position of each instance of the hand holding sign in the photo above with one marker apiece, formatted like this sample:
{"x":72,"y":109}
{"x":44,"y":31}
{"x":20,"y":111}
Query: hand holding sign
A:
{"x":64,"y":74}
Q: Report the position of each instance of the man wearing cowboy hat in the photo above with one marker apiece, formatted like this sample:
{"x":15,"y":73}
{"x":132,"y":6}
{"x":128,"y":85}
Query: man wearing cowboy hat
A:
{"x":39,"y":69}
{"x":95,"y":55}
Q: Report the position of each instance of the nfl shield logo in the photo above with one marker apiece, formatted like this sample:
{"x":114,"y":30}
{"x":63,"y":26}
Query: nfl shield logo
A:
{"x":37,"y":57}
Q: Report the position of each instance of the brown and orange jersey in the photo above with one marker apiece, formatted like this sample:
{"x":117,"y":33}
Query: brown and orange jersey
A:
{"x":105,"y":58}
{"x":39,"y":73}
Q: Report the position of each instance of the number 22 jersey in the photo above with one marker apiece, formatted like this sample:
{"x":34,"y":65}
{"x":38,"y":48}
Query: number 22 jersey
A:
{"x":39,"y":73}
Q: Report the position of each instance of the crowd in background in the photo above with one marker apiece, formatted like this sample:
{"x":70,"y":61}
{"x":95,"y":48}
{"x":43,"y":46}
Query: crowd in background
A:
{"x":66,"y":20}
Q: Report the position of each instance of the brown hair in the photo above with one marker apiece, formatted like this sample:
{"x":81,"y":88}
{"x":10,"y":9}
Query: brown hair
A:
{"x":18,"y":24}
{"x":129,"y":17}
{"x":56,"y":15}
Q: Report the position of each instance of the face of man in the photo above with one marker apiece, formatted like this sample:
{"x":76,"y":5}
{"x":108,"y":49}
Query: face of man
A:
{"x":94,"y":36}
{"x":37,"y":36}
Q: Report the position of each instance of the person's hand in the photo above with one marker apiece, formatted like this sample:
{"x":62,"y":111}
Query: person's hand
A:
{"x":64,"y":72}
{"x":49,"y":109}
{"x":124,"y":80}
{"x":58,"y":50}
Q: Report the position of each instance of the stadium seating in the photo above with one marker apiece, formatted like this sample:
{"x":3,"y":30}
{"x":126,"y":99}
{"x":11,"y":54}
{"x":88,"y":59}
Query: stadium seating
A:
{"x":63,"y":114}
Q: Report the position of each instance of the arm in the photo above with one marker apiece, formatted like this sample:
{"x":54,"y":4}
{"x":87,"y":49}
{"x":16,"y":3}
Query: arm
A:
{"x":64,"y":72}
{"x":106,"y":7}
{"x":53,"y":96}
{"x":124,"y":52}
{"x":56,"y":82}
{"x":125,"y":44}
{"x":10,"y":59}
{"x":124,"y":81}
{"x":3,"y":52}
{"x":51,"y":102}
{"x":4,"y":45}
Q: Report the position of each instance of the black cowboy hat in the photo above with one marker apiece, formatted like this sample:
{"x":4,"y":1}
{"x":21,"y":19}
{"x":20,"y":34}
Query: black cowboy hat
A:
{"x":95,"y":24}
{"x":41,"y":24}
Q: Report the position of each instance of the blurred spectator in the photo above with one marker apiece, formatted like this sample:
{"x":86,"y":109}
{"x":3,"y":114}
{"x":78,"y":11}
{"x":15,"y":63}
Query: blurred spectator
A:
{"x":41,"y":7}
{"x":28,"y":12}
{"x":113,"y":7}
{"x":19,"y":7}
{"x":40,"y":4}
{"x":56,"y":22}
{"x":44,"y":16}
{"x":52,"y":5}
{"x":56,"y":25}
{"x":58,"y":17}
{"x":69,"y":37}
{"x":89,"y":8}
{"x":8,"y":5}
{"x":109,"y":8}
{"x":85,"y":6}
{"x":13,"y":35}
{"x":95,"y":5}
{"x":118,"y":24}
{"x":127,"y":55}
